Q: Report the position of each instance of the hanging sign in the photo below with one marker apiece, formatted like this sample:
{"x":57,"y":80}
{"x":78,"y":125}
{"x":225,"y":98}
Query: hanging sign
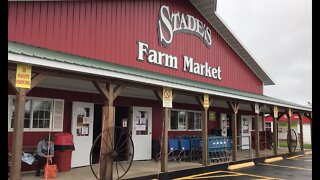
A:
{"x":23,"y":76}
{"x":167,"y":97}
{"x":206,"y":101}
{"x":275,"y":111}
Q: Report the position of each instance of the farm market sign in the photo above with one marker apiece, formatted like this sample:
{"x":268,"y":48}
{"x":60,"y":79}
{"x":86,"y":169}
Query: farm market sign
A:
{"x":168,"y":25}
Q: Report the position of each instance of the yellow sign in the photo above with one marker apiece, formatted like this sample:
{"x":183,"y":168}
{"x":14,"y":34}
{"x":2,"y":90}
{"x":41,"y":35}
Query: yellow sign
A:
{"x":275,"y":111}
{"x":206,"y":101}
{"x":167,"y":97}
{"x":23,"y":76}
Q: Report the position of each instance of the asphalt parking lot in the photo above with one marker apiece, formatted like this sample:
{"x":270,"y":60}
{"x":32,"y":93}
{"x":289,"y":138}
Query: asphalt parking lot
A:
{"x":294,"y":167}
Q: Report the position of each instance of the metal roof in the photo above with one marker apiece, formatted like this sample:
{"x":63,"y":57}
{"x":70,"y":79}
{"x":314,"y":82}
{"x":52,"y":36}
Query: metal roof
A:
{"x":207,"y":8}
{"x":46,"y":56}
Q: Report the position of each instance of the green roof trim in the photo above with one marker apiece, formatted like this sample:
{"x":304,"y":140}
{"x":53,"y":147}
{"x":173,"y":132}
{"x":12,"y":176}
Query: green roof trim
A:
{"x":22,"y":49}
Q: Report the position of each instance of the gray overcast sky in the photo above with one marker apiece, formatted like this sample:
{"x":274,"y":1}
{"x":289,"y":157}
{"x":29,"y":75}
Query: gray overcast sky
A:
{"x":278,"y":34}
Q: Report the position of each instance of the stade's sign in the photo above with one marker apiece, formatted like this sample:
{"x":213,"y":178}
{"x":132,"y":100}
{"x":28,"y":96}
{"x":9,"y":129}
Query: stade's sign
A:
{"x":168,"y":25}
{"x":174,"y":23}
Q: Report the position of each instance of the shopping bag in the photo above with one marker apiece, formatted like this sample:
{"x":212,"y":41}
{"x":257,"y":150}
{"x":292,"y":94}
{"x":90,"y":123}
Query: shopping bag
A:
{"x":27,"y":158}
{"x":50,"y":171}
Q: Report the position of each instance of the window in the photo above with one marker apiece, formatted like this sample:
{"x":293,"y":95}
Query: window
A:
{"x":194,"y":120}
{"x":185,"y":120}
{"x":40,"y":114}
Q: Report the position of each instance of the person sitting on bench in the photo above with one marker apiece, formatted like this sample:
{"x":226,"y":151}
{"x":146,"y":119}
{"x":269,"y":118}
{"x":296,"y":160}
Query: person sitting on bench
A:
{"x":42,"y":153}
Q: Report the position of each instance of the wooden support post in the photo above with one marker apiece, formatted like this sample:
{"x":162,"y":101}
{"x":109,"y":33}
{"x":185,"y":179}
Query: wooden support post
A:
{"x":235,"y":107}
{"x":205,"y":137}
{"x":289,"y":129}
{"x":275,"y":130}
{"x":275,"y":136}
{"x":164,"y":147}
{"x":263,"y":121}
{"x":17,"y":139}
{"x":311,"y":127}
{"x":110,"y":93}
{"x":107,"y":140}
{"x":165,"y":127}
{"x":257,"y":137}
{"x":256,"y":108}
{"x":301,"y":130}
{"x":204,"y":127}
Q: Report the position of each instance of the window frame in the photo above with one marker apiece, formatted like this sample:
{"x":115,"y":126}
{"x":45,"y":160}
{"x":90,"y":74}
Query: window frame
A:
{"x":194,"y":111}
{"x":31,"y":129}
{"x":187,"y":121}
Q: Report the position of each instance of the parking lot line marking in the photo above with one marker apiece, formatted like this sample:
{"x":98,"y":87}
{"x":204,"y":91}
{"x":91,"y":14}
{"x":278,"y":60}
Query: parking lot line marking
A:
{"x":292,"y":157}
{"x":228,"y":174}
{"x":216,"y":176}
{"x":290,"y":167}
{"x":258,"y":176}
{"x":197,"y":175}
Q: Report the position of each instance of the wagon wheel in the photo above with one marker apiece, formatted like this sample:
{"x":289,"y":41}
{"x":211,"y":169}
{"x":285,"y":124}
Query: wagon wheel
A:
{"x":292,"y":141}
{"x":121,"y":152}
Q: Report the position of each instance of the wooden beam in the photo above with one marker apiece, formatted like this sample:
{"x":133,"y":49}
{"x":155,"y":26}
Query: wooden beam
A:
{"x":200,"y":101}
{"x":234,"y":106}
{"x":256,"y":137}
{"x":275,"y":135}
{"x":118,"y":90}
{"x":164,"y":147}
{"x":102,"y":89}
{"x":158,"y":95}
{"x":17,"y":138}
{"x":107,"y":143}
{"x":12,"y":81}
{"x":301,"y":130}
{"x":36,"y":80}
{"x":289,"y":130}
{"x":205,"y":136}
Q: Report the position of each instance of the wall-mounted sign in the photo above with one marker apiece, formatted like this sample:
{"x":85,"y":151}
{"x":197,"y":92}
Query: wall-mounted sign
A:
{"x":212,"y":116}
{"x":167,"y":97}
{"x":174,"y":23}
{"x":23,"y":76}
{"x":206,"y":100}
{"x":190,"y":65}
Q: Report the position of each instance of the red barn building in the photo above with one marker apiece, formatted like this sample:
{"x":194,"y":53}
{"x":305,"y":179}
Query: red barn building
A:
{"x":97,"y":64}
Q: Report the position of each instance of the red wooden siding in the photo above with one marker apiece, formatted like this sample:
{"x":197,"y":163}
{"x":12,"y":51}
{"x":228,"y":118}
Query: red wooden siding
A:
{"x":109,"y":31}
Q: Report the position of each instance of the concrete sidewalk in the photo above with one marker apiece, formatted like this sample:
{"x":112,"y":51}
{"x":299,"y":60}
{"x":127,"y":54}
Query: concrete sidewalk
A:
{"x":150,"y":167}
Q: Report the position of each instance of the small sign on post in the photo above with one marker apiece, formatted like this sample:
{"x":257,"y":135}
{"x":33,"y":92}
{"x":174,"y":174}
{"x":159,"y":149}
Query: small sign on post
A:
{"x":23,"y":76}
{"x":256,"y":108}
{"x":290,"y":112}
{"x":206,"y":101}
{"x":167,"y":97}
{"x":275,"y":111}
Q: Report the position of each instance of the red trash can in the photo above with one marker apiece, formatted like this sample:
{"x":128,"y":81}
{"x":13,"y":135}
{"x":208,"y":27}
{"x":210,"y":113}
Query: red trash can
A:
{"x":63,"y":147}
